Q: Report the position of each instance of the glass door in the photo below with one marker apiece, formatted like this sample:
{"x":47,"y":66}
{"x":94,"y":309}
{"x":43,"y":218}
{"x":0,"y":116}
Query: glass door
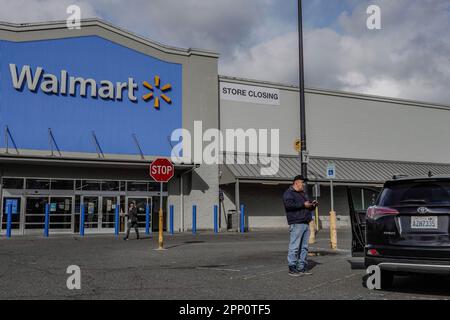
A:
{"x":15,"y":203}
{"x":35,"y":213}
{"x":91,"y":212}
{"x":108,"y":214}
{"x":61,"y":213}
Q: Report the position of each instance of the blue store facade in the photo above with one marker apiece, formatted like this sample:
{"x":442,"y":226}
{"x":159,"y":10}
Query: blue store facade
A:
{"x":84,"y":112}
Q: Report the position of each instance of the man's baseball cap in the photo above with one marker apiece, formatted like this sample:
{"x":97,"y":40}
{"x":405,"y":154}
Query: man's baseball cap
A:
{"x":300,"y":177}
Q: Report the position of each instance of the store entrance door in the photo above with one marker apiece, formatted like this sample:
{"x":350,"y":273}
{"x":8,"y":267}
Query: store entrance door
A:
{"x":91,"y":213}
{"x":16,"y":214}
{"x":31,"y":220}
{"x":99,"y":213}
{"x":61,"y":215}
{"x":108,"y":214}
{"x":35,"y":214}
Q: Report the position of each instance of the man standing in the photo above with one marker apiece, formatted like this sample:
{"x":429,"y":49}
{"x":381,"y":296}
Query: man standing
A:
{"x":298,"y":212}
{"x":132,"y":220}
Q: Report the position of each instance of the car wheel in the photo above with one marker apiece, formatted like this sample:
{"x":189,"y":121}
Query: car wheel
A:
{"x":387,"y":279}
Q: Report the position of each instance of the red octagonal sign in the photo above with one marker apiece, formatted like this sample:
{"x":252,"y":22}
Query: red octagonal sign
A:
{"x":162,"y":170}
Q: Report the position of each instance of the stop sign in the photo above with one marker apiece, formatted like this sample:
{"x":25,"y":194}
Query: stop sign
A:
{"x":162,"y":170}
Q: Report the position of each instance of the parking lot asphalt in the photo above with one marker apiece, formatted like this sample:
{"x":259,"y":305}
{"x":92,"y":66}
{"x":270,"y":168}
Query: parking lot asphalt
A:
{"x":203,"y":266}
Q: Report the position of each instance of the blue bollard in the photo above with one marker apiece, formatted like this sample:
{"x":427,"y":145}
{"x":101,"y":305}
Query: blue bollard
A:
{"x":171,"y":220}
{"x":147,"y":219}
{"x":82,"y":219}
{"x":117,"y":221}
{"x":216,"y":220}
{"x":8,"y":220}
{"x":194,"y":219}
{"x":47,"y":219}
{"x":242,"y":219}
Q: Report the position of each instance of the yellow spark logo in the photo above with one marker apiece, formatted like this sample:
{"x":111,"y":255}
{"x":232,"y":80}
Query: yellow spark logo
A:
{"x":162,"y":90}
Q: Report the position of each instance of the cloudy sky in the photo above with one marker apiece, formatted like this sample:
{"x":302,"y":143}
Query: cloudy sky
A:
{"x":408,"y":58}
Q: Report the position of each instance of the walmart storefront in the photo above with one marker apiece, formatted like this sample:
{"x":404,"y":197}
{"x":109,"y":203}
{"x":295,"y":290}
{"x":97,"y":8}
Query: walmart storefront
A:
{"x":84,"y":112}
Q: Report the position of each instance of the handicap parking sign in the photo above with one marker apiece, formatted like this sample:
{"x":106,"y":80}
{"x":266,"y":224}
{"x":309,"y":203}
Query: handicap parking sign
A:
{"x":331,"y":171}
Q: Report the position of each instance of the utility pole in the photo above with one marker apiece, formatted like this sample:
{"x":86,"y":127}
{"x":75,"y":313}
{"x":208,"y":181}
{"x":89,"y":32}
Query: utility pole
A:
{"x":304,"y":166}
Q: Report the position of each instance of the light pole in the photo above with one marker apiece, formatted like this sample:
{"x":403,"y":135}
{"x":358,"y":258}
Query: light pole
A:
{"x":304,"y":166}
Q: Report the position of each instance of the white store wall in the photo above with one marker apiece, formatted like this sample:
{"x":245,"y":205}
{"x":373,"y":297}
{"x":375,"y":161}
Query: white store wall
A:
{"x":347,"y":125}
{"x":244,"y":115}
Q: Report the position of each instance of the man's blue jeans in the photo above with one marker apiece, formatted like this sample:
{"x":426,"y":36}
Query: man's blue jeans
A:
{"x":298,"y":246}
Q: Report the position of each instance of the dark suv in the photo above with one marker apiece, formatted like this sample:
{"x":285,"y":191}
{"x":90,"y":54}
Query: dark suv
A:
{"x":407,"y":229}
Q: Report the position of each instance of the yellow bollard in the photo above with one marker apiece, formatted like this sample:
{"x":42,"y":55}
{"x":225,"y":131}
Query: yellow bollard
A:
{"x":333,"y":231}
{"x":312,"y":232}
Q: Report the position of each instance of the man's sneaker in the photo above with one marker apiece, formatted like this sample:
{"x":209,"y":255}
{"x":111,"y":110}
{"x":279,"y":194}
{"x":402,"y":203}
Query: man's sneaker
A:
{"x":305,"y":272}
{"x":294,"y":272}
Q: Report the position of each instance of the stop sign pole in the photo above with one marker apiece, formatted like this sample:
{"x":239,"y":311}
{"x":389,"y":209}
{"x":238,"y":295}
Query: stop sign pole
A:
{"x":160,"y":222}
{"x":161,"y":170}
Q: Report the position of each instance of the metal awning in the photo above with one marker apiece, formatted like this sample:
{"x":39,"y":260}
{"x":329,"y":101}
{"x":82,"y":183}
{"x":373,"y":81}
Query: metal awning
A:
{"x":83,"y":162}
{"x":348,"y":171}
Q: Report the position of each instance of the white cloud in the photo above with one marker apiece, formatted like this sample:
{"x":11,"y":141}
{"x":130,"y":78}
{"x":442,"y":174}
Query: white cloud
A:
{"x":214,"y":25}
{"x":272,"y":60}
{"x":22,"y":11}
{"x":408,"y":58}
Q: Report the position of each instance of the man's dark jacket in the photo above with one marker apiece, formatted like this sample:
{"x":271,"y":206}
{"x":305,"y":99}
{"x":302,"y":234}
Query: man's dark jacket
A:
{"x":294,"y":204}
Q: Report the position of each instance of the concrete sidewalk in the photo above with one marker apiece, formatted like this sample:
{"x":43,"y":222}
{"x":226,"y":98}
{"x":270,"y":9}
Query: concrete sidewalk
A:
{"x":203,"y":266}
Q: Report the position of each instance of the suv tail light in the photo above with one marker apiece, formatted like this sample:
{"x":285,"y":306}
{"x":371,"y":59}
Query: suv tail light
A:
{"x":375,"y":212}
{"x":373,"y":252}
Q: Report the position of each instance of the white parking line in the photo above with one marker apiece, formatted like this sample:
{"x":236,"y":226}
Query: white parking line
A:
{"x":328,"y":250}
{"x":218,"y":269}
{"x":330,"y":282}
{"x":261,"y":274}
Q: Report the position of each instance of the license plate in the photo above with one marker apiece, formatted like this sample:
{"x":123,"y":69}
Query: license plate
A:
{"x":424,"y":222}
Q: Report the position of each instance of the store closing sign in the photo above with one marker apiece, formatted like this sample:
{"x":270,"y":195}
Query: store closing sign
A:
{"x":250,"y":94}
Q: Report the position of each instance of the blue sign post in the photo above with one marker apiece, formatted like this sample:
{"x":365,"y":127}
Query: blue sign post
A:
{"x":47,"y":219}
{"x":216,"y":219}
{"x":194,"y":219}
{"x":117,"y":221}
{"x":242,"y":219}
{"x":82,"y":219}
{"x":147,"y":219}
{"x":171,"y":220}
{"x":8,"y":220}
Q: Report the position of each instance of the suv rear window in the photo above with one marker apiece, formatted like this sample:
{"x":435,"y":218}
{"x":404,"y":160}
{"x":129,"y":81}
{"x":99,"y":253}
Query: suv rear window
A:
{"x":416,"y":193}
